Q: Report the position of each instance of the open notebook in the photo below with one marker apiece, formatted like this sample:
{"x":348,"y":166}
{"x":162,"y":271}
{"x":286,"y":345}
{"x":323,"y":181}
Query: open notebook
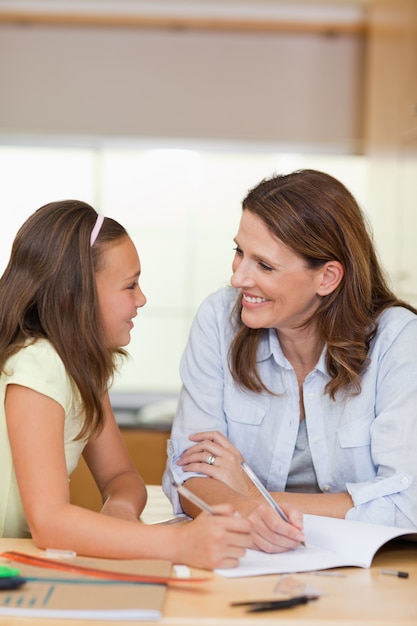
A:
{"x":330,"y":543}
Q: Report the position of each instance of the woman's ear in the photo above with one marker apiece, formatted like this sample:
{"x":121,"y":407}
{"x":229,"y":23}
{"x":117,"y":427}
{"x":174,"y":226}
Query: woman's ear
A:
{"x":332,"y":273}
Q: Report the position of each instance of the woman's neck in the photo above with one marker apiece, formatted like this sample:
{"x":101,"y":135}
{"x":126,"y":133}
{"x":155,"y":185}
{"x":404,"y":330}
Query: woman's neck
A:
{"x":302,"y":349}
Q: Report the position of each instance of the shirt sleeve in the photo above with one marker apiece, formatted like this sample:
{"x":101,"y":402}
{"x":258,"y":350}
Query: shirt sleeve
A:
{"x":200,"y":406}
{"x":391,"y":498}
{"x":39,"y":367}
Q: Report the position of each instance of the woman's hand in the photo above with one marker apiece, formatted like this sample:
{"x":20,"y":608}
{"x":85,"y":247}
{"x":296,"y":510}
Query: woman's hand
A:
{"x":214,"y":456}
{"x":272,"y":534}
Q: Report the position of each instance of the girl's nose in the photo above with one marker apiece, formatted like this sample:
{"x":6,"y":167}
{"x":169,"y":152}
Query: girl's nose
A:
{"x":140,"y":299}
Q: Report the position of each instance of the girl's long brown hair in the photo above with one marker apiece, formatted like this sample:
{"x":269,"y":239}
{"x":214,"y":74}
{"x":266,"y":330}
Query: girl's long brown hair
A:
{"x":48,"y":290}
{"x":319,"y":219}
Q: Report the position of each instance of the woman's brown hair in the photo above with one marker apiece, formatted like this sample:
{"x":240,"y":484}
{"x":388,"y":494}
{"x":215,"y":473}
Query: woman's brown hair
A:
{"x":48,"y":290}
{"x":318,"y":218}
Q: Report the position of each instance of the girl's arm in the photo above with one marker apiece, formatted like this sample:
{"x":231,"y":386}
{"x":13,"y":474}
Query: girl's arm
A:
{"x":123,"y":490}
{"x":35,"y":425}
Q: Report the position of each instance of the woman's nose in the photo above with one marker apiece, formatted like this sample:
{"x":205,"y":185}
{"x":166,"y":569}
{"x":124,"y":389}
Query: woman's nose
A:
{"x":241,"y":276}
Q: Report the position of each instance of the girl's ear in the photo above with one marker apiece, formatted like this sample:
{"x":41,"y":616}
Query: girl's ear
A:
{"x":332,"y":273}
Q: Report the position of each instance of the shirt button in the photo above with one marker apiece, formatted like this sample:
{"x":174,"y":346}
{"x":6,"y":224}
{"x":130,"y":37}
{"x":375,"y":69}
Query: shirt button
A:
{"x":326,"y":488}
{"x":404,"y":480}
{"x":311,"y":396}
{"x":315,"y":439}
{"x":170,"y":448}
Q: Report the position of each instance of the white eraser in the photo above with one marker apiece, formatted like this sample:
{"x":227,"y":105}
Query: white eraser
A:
{"x":182,"y":571}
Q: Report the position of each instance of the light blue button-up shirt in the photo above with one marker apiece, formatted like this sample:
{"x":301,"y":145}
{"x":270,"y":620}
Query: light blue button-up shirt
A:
{"x":365,"y":444}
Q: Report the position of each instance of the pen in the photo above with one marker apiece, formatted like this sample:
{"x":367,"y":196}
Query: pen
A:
{"x":272,"y":605}
{"x":253,"y":477}
{"x":194,"y":499}
{"x":394,"y":572}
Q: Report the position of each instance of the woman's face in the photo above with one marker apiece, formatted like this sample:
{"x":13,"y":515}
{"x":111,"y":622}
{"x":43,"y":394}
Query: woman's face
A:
{"x":278,"y":289}
{"x":118,"y":290}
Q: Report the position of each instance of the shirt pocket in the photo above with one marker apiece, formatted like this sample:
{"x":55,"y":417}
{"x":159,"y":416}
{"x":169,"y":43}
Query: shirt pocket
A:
{"x":352,"y":459}
{"x":244,"y":416}
{"x":356,"y":434}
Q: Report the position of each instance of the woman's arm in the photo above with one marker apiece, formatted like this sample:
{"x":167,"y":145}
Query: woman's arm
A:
{"x":327,"y":504}
{"x":36,"y":432}
{"x":229,"y":483}
{"x":269,"y":532}
{"x":227,"y":469}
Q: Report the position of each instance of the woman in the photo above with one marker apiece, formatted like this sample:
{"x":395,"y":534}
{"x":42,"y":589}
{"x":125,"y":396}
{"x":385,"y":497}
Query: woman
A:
{"x":306,"y":368}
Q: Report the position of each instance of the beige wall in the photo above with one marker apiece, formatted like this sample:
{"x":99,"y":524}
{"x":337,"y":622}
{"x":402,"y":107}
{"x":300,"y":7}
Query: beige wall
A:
{"x":271,"y":95}
{"x":181,"y":208}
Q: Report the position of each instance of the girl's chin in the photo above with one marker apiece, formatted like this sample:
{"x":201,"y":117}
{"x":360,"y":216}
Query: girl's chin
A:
{"x":121,"y":342}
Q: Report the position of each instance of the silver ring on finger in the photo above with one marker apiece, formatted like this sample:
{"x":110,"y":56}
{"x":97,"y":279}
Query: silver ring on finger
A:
{"x":211,"y":459}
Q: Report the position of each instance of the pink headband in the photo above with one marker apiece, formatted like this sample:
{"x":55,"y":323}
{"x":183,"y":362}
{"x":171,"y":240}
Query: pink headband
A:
{"x":96,"y":229}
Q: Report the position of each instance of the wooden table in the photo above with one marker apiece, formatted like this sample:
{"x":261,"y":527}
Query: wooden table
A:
{"x":361,"y":597}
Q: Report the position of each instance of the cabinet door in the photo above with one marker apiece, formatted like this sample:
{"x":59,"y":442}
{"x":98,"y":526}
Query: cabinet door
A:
{"x":408,"y":252}
{"x":392,"y":138}
{"x":409,"y":71}
{"x":148,"y":451}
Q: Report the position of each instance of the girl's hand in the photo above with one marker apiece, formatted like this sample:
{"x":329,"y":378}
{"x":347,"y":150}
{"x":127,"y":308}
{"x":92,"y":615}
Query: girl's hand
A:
{"x":214,"y":541}
{"x":214,"y":456}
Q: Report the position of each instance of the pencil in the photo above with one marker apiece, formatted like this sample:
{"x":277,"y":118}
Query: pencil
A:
{"x":253,"y":477}
{"x":194,"y":499}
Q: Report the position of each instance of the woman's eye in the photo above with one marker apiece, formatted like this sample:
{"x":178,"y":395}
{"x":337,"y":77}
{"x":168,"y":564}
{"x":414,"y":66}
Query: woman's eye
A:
{"x":266,"y":268}
{"x":238,"y":251}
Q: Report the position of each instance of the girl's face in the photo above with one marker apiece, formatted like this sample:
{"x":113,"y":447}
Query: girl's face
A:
{"x":118,"y":290}
{"x":278,"y":290}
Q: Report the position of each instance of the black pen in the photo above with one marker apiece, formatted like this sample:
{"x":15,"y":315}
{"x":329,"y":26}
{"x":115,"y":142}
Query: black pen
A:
{"x":394,"y":572}
{"x":253,"y":477}
{"x":273,"y":605}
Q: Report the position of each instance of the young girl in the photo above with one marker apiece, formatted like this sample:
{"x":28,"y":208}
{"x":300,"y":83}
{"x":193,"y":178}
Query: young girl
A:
{"x":67,"y":300}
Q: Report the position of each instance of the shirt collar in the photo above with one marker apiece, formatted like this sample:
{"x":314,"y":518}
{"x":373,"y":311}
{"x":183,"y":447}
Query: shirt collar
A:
{"x":270,"y":347}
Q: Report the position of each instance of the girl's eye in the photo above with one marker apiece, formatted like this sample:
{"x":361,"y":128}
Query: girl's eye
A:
{"x":132,"y":286}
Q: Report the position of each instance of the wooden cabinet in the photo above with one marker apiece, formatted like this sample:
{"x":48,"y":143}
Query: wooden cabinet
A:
{"x":148,"y":451}
{"x":392,"y":138}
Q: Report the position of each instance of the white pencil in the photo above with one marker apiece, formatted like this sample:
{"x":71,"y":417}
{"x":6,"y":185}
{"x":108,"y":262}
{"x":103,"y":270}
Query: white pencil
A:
{"x":253,"y":477}
{"x":194,"y":499}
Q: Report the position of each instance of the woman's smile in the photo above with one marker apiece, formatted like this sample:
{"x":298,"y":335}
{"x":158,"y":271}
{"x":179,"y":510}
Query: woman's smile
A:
{"x":249,"y":299}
